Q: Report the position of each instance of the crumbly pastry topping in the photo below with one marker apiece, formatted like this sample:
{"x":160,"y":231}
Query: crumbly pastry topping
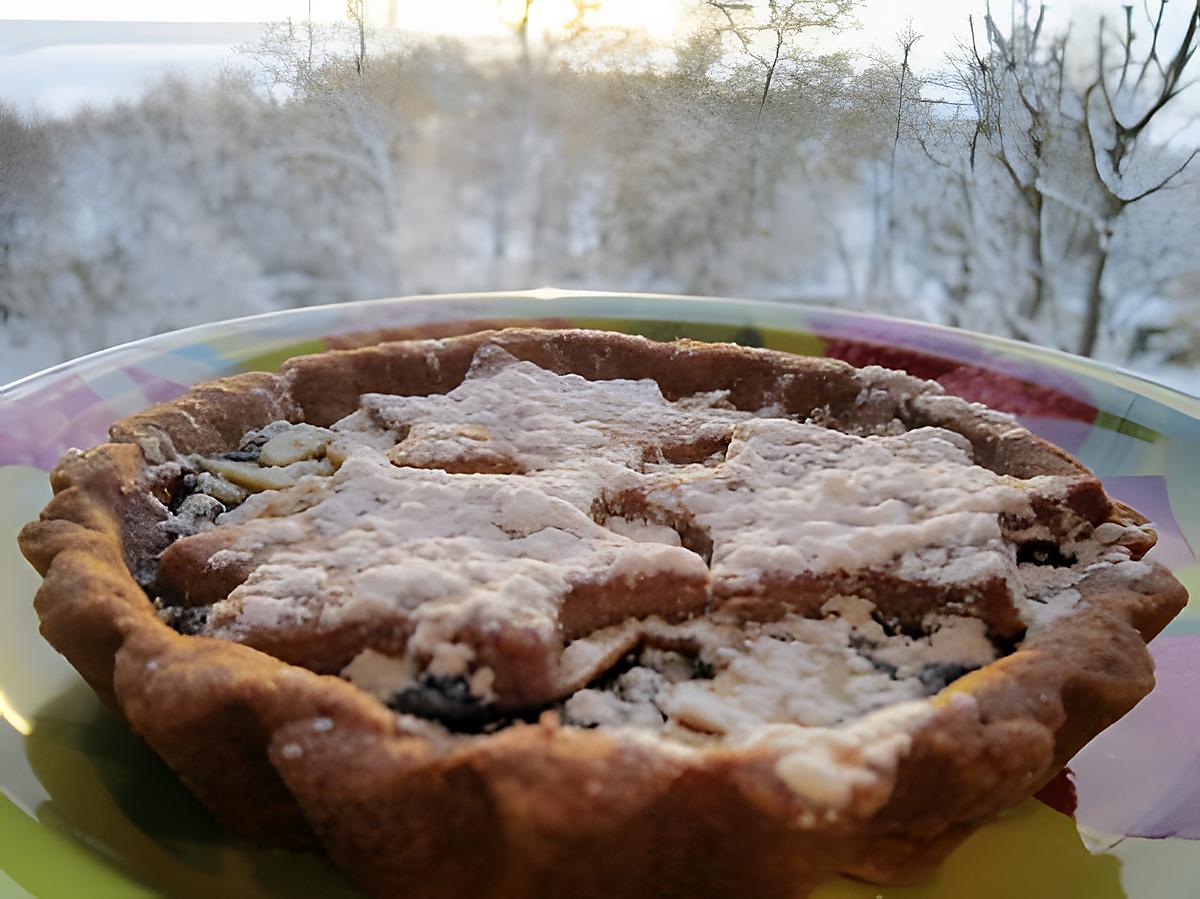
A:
{"x":682,"y":568}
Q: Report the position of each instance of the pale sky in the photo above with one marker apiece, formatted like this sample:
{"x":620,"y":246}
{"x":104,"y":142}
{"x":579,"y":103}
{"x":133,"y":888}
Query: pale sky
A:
{"x":57,"y":75}
{"x":465,"y":17}
{"x":938,"y":20}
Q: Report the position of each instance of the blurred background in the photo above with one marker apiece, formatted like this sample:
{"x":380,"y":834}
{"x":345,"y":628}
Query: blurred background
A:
{"x":1022,"y":170}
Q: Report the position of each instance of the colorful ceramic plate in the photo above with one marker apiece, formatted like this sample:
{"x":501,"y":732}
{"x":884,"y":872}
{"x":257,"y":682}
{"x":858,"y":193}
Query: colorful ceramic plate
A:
{"x":86,"y":810}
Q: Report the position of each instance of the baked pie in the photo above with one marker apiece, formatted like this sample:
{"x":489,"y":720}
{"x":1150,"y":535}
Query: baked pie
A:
{"x":571,"y":613}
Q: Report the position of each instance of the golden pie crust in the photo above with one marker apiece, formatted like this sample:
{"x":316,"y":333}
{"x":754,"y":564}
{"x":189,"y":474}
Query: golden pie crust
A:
{"x":291,"y":758}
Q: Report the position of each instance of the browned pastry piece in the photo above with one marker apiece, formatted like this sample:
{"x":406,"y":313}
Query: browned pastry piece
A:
{"x":439,"y":330}
{"x":528,"y":801}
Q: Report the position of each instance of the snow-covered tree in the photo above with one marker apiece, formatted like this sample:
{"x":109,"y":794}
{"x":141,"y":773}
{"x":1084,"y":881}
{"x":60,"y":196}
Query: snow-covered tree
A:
{"x":1054,"y":155}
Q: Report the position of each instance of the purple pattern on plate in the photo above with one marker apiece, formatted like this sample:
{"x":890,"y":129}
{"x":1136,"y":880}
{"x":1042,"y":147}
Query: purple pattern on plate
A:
{"x":155,"y":389}
{"x":1063,"y":432}
{"x":1149,"y":495}
{"x":38,"y":426}
{"x":1141,"y":777}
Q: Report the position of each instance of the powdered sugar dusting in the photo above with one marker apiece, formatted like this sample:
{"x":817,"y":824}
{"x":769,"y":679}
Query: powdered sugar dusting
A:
{"x":466,"y":522}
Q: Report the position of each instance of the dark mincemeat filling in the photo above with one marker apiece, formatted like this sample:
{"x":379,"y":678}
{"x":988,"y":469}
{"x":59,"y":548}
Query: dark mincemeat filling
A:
{"x":449,"y":701}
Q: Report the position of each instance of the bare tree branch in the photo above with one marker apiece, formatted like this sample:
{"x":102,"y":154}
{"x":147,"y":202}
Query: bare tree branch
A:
{"x":1172,"y":75}
{"x":1085,"y":213}
{"x":1128,"y":54}
{"x":1152,"y":55}
{"x":357,"y":14}
{"x":1037,"y":29}
{"x":1165,"y":181}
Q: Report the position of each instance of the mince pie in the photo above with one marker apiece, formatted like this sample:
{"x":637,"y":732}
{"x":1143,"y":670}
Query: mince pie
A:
{"x":573,"y":613}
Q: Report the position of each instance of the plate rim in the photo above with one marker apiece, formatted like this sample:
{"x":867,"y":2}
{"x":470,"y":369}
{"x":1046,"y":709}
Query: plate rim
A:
{"x":1171,"y":396}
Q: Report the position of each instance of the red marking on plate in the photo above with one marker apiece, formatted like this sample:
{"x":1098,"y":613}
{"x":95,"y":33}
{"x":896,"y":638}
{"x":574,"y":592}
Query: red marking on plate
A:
{"x":976,"y":383}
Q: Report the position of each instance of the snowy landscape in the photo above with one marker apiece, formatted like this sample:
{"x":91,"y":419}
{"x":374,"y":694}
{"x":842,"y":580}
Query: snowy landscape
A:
{"x":1037,"y":181}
